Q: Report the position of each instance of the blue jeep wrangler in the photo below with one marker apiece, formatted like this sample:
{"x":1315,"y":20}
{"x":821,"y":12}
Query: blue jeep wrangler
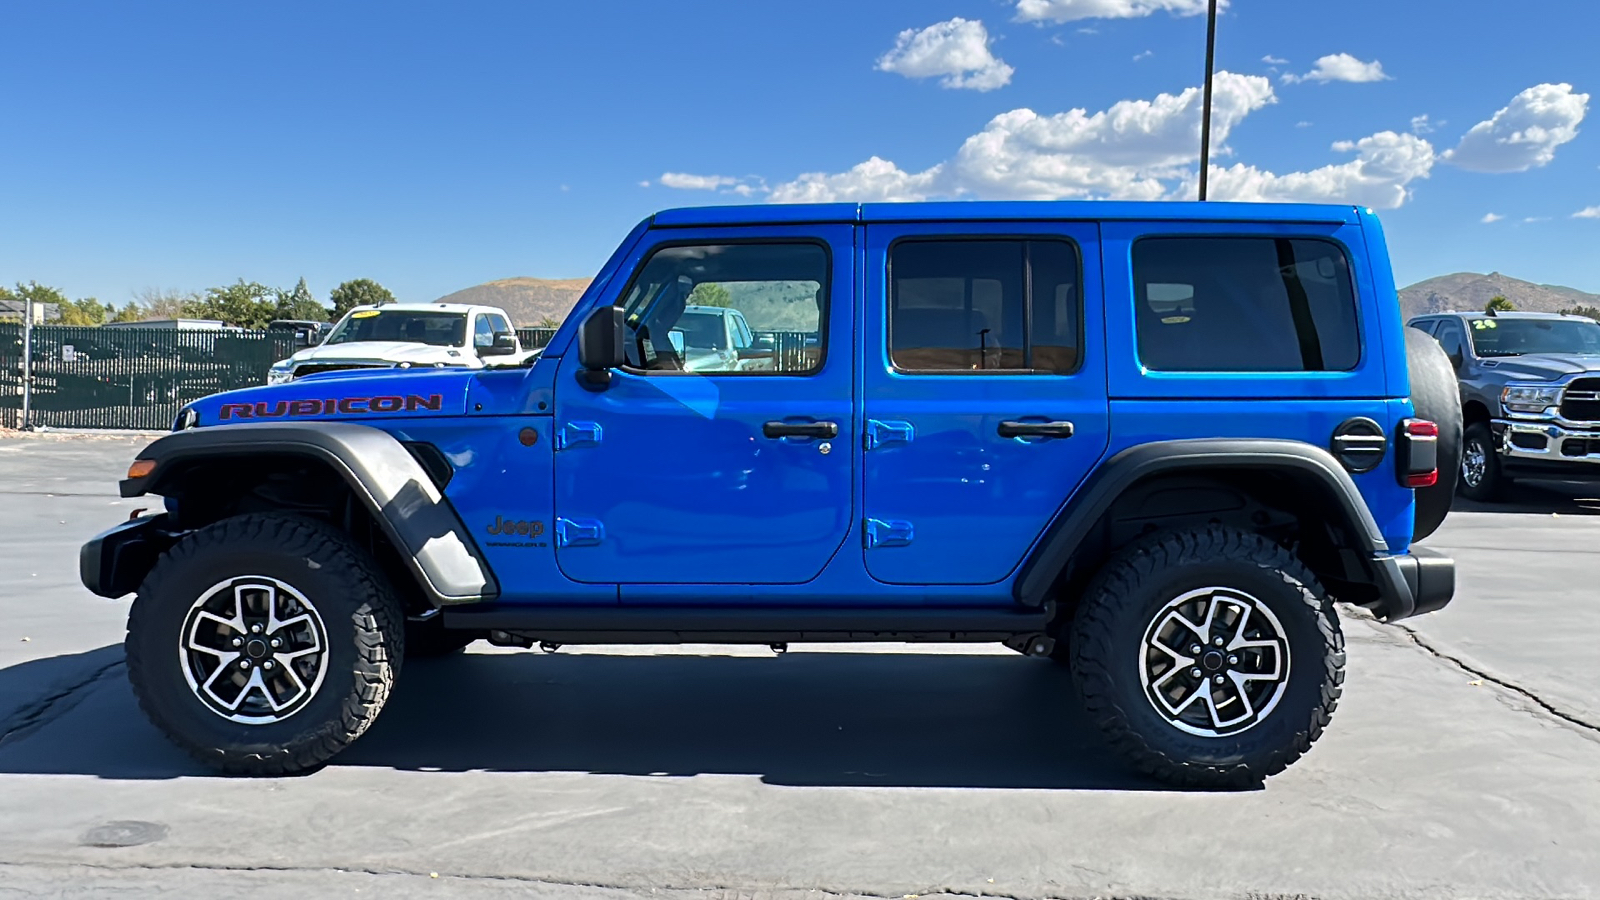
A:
{"x":1155,"y":442}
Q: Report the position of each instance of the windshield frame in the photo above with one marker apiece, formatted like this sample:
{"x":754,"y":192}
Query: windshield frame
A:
{"x":1477,"y":328}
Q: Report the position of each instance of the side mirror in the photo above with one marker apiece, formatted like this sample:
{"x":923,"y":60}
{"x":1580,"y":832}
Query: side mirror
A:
{"x":504,"y":344}
{"x":601,"y":345}
{"x":1456,"y":359}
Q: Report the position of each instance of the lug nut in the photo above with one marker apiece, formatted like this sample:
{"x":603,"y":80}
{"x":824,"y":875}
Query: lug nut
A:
{"x":1194,"y":672}
{"x":1233,"y":660}
{"x":244,"y":663}
{"x":238,"y":642}
{"x":267,"y":664}
{"x":1217,"y":680}
{"x":255,"y":629}
{"x":1195,"y":650}
{"x":276,"y":643}
{"x":1216,"y":642}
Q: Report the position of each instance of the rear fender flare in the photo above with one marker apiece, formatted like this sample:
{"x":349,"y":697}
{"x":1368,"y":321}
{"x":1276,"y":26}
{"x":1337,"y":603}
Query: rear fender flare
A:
{"x":1077,"y":519}
{"x":383,"y":475}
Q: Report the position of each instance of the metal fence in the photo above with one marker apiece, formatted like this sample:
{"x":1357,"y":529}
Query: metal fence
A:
{"x":535,"y":337}
{"x":126,"y":377}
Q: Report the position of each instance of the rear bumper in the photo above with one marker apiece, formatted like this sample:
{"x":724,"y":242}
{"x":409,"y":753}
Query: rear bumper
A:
{"x":1418,"y":582}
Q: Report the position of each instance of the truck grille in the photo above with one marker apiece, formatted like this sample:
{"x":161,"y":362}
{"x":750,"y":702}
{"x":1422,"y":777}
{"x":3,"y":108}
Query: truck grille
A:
{"x":1581,"y":400}
{"x":302,"y":371}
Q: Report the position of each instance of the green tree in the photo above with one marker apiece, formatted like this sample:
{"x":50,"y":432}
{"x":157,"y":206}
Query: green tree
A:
{"x":1498,"y":303}
{"x":249,"y":304}
{"x":87,"y":311}
{"x":1590,"y":311}
{"x":358,"y":292}
{"x":299,"y":304}
{"x":549,"y":322}
{"x":709,"y":293}
{"x":40,"y":294}
{"x":131,"y":311}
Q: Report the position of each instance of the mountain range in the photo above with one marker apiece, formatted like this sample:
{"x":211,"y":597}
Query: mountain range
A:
{"x":531,"y":301}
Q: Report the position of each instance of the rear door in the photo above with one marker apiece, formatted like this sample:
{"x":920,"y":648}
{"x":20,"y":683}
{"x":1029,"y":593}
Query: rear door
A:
{"x":984,"y":391}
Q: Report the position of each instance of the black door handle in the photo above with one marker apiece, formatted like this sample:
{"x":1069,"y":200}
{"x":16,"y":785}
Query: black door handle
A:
{"x":1035,"y":429}
{"x":801,"y":429}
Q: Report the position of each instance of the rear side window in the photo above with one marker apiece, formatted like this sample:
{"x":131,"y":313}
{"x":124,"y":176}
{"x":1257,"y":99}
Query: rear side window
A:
{"x":984,"y":305}
{"x":1204,"y":304}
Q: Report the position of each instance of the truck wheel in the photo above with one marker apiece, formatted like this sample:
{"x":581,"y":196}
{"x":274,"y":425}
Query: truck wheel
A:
{"x":1436,"y":397}
{"x":428,"y":638}
{"x":264,"y":644}
{"x":1211,"y":658}
{"x":1481,"y":476}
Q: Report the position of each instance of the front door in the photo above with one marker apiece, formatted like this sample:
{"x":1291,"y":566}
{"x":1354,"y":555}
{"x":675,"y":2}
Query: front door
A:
{"x":985,"y":392}
{"x":704,"y":463}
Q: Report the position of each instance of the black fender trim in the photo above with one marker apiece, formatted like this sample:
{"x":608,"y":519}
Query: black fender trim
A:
{"x":385,"y":477}
{"x":1134,"y":464}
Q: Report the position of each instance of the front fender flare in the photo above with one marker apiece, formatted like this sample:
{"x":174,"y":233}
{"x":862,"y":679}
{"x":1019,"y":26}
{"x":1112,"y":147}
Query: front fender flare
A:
{"x":383,"y":475}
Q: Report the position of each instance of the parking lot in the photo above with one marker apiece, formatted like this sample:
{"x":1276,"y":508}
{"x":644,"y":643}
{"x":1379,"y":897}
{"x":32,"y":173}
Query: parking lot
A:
{"x":1464,"y":760}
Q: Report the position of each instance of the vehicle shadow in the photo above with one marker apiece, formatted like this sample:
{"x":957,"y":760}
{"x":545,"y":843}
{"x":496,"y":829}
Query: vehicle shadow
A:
{"x":1567,"y":498}
{"x":813,"y":719}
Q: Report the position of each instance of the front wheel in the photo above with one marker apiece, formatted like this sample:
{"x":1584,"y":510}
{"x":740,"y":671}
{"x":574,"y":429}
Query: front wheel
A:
{"x":1482,"y":479}
{"x":264,"y":644}
{"x":1210,"y":658}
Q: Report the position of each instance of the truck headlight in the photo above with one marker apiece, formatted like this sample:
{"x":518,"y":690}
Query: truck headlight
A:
{"x":1529,"y":398}
{"x":280,"y":373}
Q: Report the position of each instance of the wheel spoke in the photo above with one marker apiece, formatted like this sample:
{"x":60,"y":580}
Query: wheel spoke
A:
{"x":254,"y":684}
{"x":1236,"y":677}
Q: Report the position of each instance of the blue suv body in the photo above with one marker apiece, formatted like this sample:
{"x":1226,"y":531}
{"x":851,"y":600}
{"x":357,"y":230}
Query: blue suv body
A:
{"x":1087,"y":430}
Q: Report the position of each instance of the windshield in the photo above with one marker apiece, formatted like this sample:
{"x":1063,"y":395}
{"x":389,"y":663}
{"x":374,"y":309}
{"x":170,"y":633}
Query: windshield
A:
{"x":1514,"y":337}
{"x":441,"y":329}
{"x":702,"y":330}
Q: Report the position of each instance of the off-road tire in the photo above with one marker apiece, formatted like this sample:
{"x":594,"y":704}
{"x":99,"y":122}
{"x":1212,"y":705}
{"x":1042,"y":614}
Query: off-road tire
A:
{"x":365,"y":641}
{"x":429,"y":639}
{"x":1436,"y":397}
{"x":1108,"y":646}
{"x":1493,"y":485}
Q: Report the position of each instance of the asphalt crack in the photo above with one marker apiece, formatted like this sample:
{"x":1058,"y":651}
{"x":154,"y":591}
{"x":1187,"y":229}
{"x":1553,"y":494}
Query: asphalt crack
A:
{"x":50,"y":707}
{"x":1417,"y":639}
{"x":722,"y":889}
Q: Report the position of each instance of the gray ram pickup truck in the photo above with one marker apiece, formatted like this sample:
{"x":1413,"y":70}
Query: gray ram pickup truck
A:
{"x":1530,"y":395}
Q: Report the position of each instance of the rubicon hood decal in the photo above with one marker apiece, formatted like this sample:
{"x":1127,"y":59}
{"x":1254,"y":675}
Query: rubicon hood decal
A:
{"x":348,"y":406}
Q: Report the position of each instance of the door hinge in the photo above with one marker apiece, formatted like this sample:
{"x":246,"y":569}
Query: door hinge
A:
{"x":887,"y":533}
{"x":887,"y":431}
{"x":575,"y":433}
{"x":579,"y":532}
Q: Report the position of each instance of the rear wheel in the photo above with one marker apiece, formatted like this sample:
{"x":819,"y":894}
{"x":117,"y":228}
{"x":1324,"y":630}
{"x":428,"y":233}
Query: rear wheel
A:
{"x":1210,"y":658}
{"x":264,"y":644}
{"x":1482,"y":479}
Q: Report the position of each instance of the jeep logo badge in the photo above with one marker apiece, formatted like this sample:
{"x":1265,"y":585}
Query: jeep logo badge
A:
{"x":503,"y":525}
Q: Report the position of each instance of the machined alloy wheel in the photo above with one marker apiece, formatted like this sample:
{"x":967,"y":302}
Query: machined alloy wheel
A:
{"x":254,"y":650}
{"x":1215,"y":662}
{"x":1474,"y":463}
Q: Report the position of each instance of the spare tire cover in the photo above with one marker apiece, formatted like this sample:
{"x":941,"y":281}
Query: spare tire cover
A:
{"x":1437,"y":398}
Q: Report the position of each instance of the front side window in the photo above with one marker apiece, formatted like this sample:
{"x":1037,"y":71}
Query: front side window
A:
{"x":1204,"y":304}
{"x":1514,"y":337}
{"x":483,"y":333}
{"x":687,"y":304}
{"x":441,"y":329}
{"x":984,"y":305}
{"x":1449,"y":337}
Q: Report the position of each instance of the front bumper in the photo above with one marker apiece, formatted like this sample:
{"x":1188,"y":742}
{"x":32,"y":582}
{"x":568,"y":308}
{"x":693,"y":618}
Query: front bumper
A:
{"x":1418,"y":582}
{"x":1548,"y":441}
{"x":113,"y":563}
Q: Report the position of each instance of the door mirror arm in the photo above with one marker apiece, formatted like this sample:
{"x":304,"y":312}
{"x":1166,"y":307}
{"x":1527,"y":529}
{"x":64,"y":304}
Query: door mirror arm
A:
{"x":601,"y":346}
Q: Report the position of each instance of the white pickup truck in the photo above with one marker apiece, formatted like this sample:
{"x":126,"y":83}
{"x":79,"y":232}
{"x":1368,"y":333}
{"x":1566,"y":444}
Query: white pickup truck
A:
{"x":410,"y":335}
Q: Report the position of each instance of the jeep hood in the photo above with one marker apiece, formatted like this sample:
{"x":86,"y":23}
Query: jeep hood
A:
{"x":1542,"y":366}
{"x":357,"y":395}
{"x":388,"y":351}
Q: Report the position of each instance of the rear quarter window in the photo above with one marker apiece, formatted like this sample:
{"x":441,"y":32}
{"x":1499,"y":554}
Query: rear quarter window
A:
{"x":1244,"y":304}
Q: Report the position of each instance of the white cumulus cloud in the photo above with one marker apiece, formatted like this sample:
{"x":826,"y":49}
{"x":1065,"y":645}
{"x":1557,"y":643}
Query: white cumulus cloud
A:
{"x":1385,"y":164}
{"x":1073,"y":10}
{"x":1340,"y":67}
{"x":1424,"y":125}
{"x":1592,"y":212}
{"x":1271,"y":60}
{"x":956,"y":51}
{"x":683,"y":181}
{"x":1491,"y":218}
{"x":1525,"y":134}
{"x":876,"y":180}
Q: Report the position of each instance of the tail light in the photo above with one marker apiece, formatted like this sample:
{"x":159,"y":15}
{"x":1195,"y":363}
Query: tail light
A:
{"x":1418,"y":456}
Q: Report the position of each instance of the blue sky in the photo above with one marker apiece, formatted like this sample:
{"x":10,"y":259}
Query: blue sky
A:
{"x":436,"y":146}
